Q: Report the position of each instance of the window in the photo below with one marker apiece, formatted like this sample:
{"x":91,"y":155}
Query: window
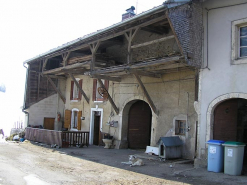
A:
{"x":180,"y":127}
{"x":75,"y":93}
{"x":96,"y":85}
{"x":243,"y":42}
{"x":72,"y":119}
{"x":239,"y":41}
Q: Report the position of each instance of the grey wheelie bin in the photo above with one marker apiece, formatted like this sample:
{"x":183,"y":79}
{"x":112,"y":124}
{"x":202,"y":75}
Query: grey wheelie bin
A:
{"x":234,"y":154}
{"x":215,"y":156}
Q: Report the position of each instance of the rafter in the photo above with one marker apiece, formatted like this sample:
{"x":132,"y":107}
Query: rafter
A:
{"x":150,"y":101}
{"x":56,"y":89}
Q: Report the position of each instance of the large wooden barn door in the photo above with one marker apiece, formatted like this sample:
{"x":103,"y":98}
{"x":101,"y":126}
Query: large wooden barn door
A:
{"x":139,"y":127}
{"x":225,"y":121}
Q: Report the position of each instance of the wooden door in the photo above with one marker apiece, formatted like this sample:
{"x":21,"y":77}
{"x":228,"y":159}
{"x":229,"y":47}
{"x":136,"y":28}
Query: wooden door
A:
{"x":49,"y":123}
{"x":225,"y":121}
{"x":96,"y":132}
{"x":139,"y":127}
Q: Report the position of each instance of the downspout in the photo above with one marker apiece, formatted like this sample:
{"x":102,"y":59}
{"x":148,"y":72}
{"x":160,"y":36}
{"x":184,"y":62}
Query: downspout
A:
{"x":25,"y":94}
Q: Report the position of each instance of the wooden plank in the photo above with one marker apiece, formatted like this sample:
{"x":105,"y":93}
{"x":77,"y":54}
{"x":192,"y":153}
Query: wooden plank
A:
{"x":153,"y":41}
{"x":39,"y":78}
{"x":56,"y":89}
{"x":109,"y":97}
{"x":146,"y":93}
{"x":174,"y":33}
{"x":116,"y":79}
{"x":80,"y":89}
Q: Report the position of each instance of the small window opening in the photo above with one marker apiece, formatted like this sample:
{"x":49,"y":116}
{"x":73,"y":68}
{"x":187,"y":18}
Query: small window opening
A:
{"x":180,"y":127}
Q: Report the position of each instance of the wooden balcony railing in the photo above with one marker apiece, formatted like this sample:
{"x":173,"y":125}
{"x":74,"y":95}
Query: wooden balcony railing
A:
{"x":76,"y":138}
{"x":60,"y":138}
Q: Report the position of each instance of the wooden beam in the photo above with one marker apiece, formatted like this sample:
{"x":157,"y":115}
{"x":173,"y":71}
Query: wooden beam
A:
{"x":73,"y":66}
{"x":174,"y":33}
{"x":144,"y":73}
{"x":129,"y":38}
{"x":65,"y":58}
{"x":153,"y":41}
{"x":136,"y":66}
{"x":146,"y":94}
{"x":78,"y":86}
{"x":57,"y":77}
{"x":94,"y":47}
{"x":116,"y":79}
{"x":56,"y":89}
{"x":109,"y":97}
{"x":44,"y":64}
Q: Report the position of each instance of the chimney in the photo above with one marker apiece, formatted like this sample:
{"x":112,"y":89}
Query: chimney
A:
{"x":130,"y":13}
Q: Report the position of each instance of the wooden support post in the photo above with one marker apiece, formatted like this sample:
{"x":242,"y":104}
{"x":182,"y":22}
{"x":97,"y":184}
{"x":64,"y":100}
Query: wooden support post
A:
{"x":146,"y":93}
{"x":94,"y":47}
{"x":80,"y":89}
{"x":65,"y":58}
{"x":129,"y":38}
{"x":109,"y":97}
{"x":44,"y":64}
{"x":56,"y":89}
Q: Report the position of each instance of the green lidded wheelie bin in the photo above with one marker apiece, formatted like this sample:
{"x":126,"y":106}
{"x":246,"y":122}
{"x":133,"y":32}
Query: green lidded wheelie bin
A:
{"x":233,"y":158}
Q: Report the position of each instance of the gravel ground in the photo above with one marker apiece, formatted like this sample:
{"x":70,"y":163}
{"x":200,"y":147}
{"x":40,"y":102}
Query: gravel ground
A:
{"x":32,"y":164}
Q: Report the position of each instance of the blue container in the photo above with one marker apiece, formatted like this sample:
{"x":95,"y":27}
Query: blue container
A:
{"x":215,"y":156}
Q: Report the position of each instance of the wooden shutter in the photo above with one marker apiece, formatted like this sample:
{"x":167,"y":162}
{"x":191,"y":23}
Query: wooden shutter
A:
{"x":106,"y":86}
{"x":71,"y":90}
{"x":79,"y":120}
{"x":79,"y":94}
{"x":67,"y":119}
{"x":94,"y":89}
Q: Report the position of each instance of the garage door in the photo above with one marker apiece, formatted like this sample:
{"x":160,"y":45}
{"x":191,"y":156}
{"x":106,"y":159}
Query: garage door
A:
{"x":139,"y":127}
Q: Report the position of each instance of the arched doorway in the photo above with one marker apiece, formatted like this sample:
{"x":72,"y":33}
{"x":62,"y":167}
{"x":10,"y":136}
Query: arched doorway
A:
{"x":139,"y":125}
{"x":230,"y":122}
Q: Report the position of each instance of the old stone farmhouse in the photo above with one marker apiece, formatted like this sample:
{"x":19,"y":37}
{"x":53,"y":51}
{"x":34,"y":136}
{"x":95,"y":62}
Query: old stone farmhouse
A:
{"x":136,"y":80}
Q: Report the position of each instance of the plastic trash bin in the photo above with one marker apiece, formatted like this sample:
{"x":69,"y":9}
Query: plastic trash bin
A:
{"x":215,"y":156}
{"x":234,"y":155}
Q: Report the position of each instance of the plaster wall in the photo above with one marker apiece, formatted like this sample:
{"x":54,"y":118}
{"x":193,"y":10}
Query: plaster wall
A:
{"x":44,"y":108}
{"x":219,"y":77}
{"x":173,"y":95}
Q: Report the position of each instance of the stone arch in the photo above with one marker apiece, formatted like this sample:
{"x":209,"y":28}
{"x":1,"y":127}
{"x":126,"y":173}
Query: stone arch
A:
{"x":213,"y":105}
{"x":123,"y":120}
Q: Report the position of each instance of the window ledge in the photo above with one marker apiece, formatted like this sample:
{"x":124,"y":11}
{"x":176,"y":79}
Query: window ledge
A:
{"x":74,"y":100}
{"x":98,"y":101}
{"x":239,"y":61}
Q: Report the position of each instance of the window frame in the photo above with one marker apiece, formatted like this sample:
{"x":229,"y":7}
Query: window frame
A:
{"x":177,"y":127}
{"x":72,"y":90}
{"x":72,"y":127}
{"x":95,"y":90}
{"x":236,"y":25}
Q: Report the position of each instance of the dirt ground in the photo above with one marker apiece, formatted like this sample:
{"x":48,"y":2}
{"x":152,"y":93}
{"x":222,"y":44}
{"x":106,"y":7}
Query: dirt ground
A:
{"x":37,"y":164}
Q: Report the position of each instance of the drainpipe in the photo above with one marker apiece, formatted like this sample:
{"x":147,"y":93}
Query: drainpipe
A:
{"x":25,"y":95}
